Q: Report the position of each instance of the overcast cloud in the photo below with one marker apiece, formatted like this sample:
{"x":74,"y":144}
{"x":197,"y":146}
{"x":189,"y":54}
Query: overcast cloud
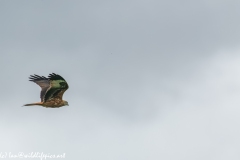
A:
{"x":149,"y":80}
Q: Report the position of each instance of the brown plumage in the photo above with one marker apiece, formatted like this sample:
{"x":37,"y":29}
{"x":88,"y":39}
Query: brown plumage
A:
{"x":52,"y":91}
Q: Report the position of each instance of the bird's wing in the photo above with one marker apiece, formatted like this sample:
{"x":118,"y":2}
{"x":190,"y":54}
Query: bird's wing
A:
{"x":43,"y":82}
{"x":58,"y":87}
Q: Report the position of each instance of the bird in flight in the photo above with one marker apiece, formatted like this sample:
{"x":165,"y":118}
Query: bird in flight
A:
{"x":52,"y":91}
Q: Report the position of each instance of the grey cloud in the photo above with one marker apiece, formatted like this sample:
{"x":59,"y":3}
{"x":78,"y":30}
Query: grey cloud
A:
{"x":148,"y":79}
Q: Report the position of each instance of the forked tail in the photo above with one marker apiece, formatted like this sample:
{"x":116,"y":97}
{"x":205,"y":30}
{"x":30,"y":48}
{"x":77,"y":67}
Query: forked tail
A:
{"x":33,"y":104}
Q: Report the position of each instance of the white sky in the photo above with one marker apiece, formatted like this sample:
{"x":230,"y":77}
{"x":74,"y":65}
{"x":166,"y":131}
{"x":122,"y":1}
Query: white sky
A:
{"x":149,"y":80}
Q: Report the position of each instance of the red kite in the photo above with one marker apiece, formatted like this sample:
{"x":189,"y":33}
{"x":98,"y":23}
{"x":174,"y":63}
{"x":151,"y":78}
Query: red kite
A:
{"x":52,"y":91}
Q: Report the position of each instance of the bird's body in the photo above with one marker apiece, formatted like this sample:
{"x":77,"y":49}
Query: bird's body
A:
{"x":52,"y":91}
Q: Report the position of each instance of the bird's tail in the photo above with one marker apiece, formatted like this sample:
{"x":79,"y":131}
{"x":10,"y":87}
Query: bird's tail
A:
{"x":33,"y":104}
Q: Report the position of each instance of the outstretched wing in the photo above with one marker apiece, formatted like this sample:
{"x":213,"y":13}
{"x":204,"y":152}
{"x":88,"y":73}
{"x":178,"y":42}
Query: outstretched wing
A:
{"x":58,"y":86}
{"x":43,"y":82}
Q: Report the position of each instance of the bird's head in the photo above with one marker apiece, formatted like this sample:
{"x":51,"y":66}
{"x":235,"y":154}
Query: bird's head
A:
{"x":66,"y":103}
